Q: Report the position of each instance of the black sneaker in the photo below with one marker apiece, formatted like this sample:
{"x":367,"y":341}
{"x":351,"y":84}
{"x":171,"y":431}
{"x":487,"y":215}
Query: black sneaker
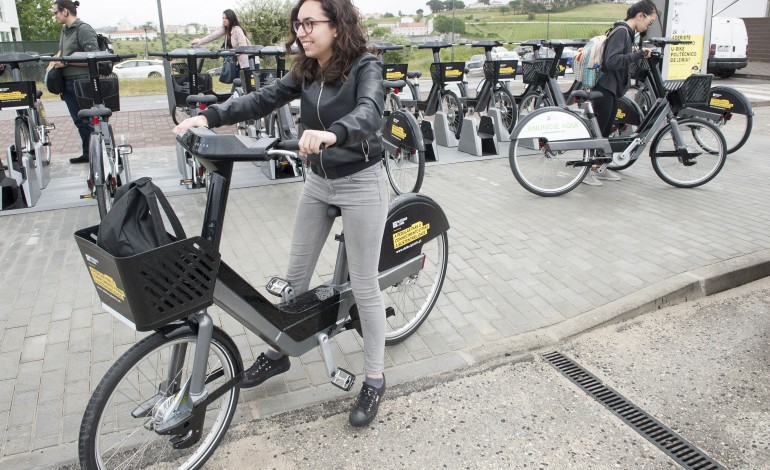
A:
{"x":367,"y":403}
{"x":264,"y":368}
{"x":80,"y":159}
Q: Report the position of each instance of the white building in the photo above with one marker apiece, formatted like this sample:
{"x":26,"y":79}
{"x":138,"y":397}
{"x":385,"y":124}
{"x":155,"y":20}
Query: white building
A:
{"x":133,"y":34}
{"x":9,"y":22}
{"x":407,"y":27}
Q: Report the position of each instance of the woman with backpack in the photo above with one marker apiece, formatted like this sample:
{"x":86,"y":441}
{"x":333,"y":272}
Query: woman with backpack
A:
{"x":234,"y":37}
{"x":615,"y":81}
{"x":76,"y":36}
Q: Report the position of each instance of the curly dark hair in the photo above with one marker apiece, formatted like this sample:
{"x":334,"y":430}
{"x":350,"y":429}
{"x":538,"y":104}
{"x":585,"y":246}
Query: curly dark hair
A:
{"x":348,"y":45}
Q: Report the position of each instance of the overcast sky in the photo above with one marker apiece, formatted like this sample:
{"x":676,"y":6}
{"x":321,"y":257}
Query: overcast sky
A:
{"x":101,"y":13}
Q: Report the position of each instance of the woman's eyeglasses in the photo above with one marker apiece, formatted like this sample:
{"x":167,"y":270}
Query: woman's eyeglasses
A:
{"x":652,"y":20}
{"x":307,"y":25}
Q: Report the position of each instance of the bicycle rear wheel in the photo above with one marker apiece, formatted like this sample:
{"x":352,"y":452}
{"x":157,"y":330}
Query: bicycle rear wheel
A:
{"x":531,"y":101}
{"x":118,"y":427}
{"x":406,"y":169}
{"x":413,"y":298}
{"x":99,"y":178}
{"x":736,"y":129}
{"x":538,"y":167}
{"x":707,"y":154}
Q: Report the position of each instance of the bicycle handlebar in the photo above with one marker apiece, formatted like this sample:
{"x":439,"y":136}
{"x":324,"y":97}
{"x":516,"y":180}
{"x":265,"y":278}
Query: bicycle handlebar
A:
{"x":86,"y":57}
{"x":198,"y":53}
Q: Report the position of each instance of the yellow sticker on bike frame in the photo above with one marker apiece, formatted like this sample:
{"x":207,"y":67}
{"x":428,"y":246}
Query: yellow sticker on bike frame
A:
{"x":720,"y":103}
{"x":107,"y":283}
{"x":397,"y":131}
{"x":414,"y":232}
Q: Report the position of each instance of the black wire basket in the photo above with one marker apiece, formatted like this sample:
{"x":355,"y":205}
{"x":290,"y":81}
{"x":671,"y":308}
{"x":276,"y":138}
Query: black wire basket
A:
{"x":446,"y":72}
{"x":110,"y":90}
{"x":694,"y":91}
{"x":182,"y":87}
{"x":154,"y":288}
{"x":496,"y":70}
{"x":639,"y":69}
{"x":534,"y":72}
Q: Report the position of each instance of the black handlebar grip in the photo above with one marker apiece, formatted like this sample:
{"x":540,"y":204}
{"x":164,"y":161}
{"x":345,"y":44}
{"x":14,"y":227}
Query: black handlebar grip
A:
{"x":292,"y":145}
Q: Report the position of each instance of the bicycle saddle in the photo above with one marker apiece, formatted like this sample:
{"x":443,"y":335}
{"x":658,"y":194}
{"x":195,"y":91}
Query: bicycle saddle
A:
{"x":101,"y":112}
{"x":207,"y":144}
{"x":414,"y":74}
{"x":204,"y":99}
{"x":584,"y":95}
{"x":391,"y":84}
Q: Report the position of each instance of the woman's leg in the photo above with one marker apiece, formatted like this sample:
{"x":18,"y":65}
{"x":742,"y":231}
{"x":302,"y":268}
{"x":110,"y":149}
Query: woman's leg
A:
{"x":363,"y":198}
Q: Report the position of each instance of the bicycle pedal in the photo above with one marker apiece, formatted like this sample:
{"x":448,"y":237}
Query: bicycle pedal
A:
{"x":125,"y":149}
{"x":86,"y":196}
{"x":343,"y":379}
{"x":280,"y":288}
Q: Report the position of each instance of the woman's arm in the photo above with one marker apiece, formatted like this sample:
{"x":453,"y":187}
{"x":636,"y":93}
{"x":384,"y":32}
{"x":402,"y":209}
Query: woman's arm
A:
{"x":254,"y":105}
{"x":207,"y":39}
{"x":366,"y":118}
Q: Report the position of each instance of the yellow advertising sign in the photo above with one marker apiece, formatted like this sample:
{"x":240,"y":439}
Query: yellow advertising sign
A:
{"x":685,"y":59}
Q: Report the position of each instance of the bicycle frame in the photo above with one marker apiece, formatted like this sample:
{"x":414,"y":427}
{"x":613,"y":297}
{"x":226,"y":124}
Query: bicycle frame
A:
{"x":314,"y":316}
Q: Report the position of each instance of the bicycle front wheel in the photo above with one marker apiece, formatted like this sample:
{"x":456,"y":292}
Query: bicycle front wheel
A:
{"x":450,"y":104}
{"x":503,"y":100}
{"x":406,"y":170}
{"x":118,"y":428}
{"x":413,"y":298}
{"x":531,"y":101}
{"x":706,"y":153}
{"x":538,"y":167}
{"x":180,"y":114}
{"x":22,"y":140}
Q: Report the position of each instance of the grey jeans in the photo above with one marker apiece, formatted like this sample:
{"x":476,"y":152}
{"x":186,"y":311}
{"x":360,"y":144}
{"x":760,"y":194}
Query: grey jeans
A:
{"x":363,"y":199}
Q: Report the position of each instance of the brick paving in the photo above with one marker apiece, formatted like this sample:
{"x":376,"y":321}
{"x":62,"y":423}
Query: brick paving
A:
{"x":518,"y":263}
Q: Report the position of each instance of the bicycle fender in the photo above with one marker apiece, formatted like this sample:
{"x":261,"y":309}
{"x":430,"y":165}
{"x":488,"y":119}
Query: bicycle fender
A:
{"x":724,"y":99}
{"x":628,"y":112}
{"x":551,"y":123}
{"x":413,"y":219}
{"x":402,"y":130}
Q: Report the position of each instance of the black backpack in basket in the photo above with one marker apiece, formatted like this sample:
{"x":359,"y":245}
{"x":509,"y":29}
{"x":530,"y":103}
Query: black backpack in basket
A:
{"x":134,"y":224}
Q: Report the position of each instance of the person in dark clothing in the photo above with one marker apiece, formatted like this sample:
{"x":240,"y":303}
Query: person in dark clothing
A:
{"x":340,"y":88}
{"x":618,"y":56}
{"x":76,"y":36}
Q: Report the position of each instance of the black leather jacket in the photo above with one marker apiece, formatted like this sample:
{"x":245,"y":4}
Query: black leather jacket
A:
{"x":351,"y":109}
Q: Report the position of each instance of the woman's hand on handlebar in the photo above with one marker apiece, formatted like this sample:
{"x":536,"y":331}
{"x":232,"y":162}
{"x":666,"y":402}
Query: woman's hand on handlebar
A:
{"x":196,"y":121}
{"x":311,"y":141}
{"x":647,"y":52}
{"x":195,"y":42}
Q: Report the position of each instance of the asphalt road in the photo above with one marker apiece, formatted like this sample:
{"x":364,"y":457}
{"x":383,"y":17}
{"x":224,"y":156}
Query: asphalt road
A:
{"x":700,"y":368}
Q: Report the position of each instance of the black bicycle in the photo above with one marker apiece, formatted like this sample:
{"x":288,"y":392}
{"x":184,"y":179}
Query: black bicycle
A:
{"x":172,"y":396}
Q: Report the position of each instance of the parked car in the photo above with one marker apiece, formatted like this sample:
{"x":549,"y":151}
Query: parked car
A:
{"x":497,"y":51}
{"x":728,"y":47}
{"x":215,"y":71}
{"x":139,"y":68}
{"x":475,"y":65}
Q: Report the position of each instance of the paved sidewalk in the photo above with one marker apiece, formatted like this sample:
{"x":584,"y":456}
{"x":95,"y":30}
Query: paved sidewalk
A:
{"x":523,"y":271}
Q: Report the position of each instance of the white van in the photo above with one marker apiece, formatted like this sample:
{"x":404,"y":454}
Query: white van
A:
{"x":729,"y":46}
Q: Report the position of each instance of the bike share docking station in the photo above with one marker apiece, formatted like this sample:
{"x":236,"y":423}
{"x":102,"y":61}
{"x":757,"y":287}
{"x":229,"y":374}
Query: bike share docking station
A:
{"x":27,"y":174}
{"x":479,"y":141}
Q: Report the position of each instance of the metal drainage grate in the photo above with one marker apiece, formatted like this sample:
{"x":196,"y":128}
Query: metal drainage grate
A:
{"x":665,"y":439}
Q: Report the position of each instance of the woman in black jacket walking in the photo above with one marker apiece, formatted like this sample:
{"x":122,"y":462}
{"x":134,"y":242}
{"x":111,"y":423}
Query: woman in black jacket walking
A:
{"x":615,"y":82}
{"x":341,"y":93}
